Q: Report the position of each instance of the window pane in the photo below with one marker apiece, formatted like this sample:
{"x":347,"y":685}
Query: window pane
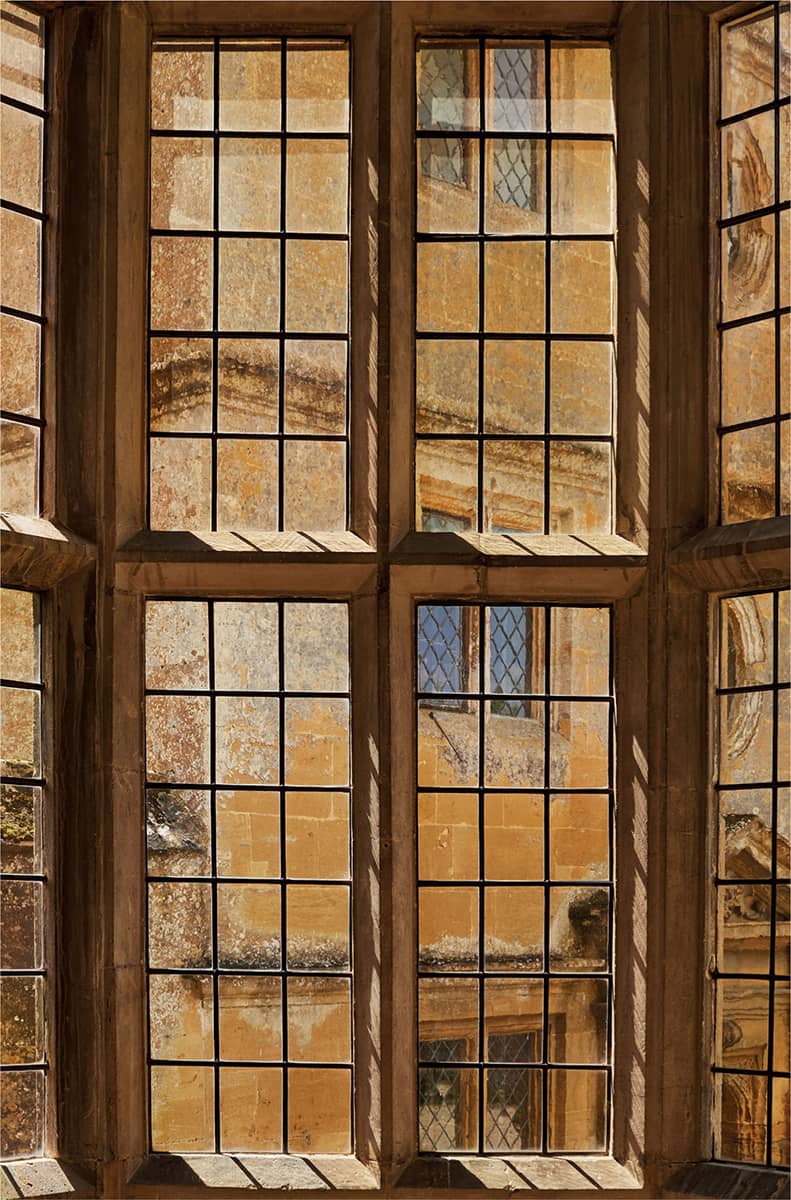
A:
{"x":255,"y":408}
{"x":514,"y":876}
{"x":249,"y":886}
{"x":22,"y":148}
{"x":753,"y":275}
{"x":751,"y":1042}
{"x":515,"y":287}
{"x":23,"y":888}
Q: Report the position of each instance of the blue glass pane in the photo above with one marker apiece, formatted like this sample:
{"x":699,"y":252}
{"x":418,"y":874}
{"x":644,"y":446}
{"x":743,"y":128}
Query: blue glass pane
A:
{"x":439,"y":648}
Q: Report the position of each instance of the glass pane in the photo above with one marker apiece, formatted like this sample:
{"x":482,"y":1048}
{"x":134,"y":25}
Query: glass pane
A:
{"x":251,"y":1109}
{"x":318,"y":927}
{"x":245,"y":646}
{"x":319,"y":1019}
{"x":744,"y":914}
{"x":447,"y":746}
{"x":748,"y":372}
{"x":580,"y":487}
{"x":447,"y":86}
{"x":178,"y":837}
{"x":740,"y":1121}
{"x":177,"y":739}
{"x":512,"y":659}
{"x":20,"y":261}
{"x":583,"y":287}
{"x":180,"y":1016}
{"x":20,"y":829}
{"x":746,"y":738}
{"x":317,"y":87}
{"x":447,"y":287}
{"x":247,"y":385}
{"x":578,"y":1020}
{"x":174,"y":260}
{"x":21,"y":149}
{"x":579,"y":928}
{"x":250,"y":184}
{"x":23,"y":920}
{"x":180,"y":483}
{"x":581,"y":89}
{"x":181,"y":183}
{"x":513,"y":836}
{"x":247,"y":739}
{"x":317,"y":835}
{"x":317,"y":186}
{"x":180,"y":385}
{"x":315,"y":387}
{"x":19,"y":649}
{"x":514,"y":745}
{"x":518,"y":87}
{"x":19,"y":460}
{"x":446,"y":475}
{"x":249,"y":284}
{"x":746,"y":640}
{"x":516,"y":186}
{"x":179,"y":925}
{"x":742,"y":1023}
{"x":19,"y":365}
{"x":448,"y":924}
{"x":513,"y":1110}
{"x":513,"y":929}
{"x":316,"y":286}
{"x":447,"y":835}
{"x":748,"y":167}
{"x":317,"y":742}
{"x":22,"y":1112}
{"x":248,"y":926}
{"x":513,"y":1012}
{"x":319,"y":1111}
{"x":447,"y":1020}
{"x":250,"y":1008}
{"x":22,"y":54}
{"x":20,"y":733}
{"x":580,"y":743}
{"x":747,"y":63}
{"x":781,"y":1108}
{"x":248,"y":833}
{"x":249,"y":85}
{"x":513,"y":486}
{"x":177,"y":644}
{"x":579,"y":836}
{"x":579,"y":660}
{"x":182,"y":85}
{"x":581,"y":387}
{"x":748,"y":474}
{"x":576,"y":1120}
{"x":583,"y":187}
{"x":748,"y":268}
{"x":246,"y":483}
{"x":22,"y":1020}
{"x":513,"y":387}
{"x":182,"y":1109}
{"x":447,"y":1109}
{"x":447,"y":648}
{"x":316,"y":647}
{"x":514,"y":287}
{"x":315,"y":485}
{"x":448,"y":181}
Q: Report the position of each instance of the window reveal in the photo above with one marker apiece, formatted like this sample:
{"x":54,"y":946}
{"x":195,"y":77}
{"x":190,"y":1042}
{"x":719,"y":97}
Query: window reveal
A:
{"x":23,"y":1056}
{"x":514,"y":814}
{"x":249,"y":876}
{"x":248,"y":410}
{"x":23,"y":121}
{"x":515,"y":285}
{"x":754,"y":222}
{"x":751,"y":1065}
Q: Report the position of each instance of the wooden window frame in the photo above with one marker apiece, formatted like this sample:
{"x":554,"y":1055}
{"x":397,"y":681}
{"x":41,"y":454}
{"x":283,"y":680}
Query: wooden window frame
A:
{"x":95,"y":563}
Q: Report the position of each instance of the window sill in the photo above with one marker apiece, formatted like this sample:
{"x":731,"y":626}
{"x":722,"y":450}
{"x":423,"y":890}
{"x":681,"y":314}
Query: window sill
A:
{"x":246,"y":546}
{"x":37,"y":554}
{"x":551,"y":549}
{"x":720,"y":1181}
{"x":197,"y":1173}
{"x":42,"y":1177}
{"x":726,"y":557}
{"x":520,"y":1173}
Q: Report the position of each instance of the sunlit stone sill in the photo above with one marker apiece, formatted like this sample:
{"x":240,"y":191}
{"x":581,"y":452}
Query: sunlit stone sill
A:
{"x":242,"y":546}
{"x":721,"y":1181}
{"x":550,"y":549}
{"x":723,"y":557}
{"x":527,"y":1172}
{"x":42,"y":1177}
{"x":36,"y":553}
{"x":253,"y":1172}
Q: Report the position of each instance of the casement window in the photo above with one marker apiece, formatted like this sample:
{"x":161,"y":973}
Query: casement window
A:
{"x":409,"y":813}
